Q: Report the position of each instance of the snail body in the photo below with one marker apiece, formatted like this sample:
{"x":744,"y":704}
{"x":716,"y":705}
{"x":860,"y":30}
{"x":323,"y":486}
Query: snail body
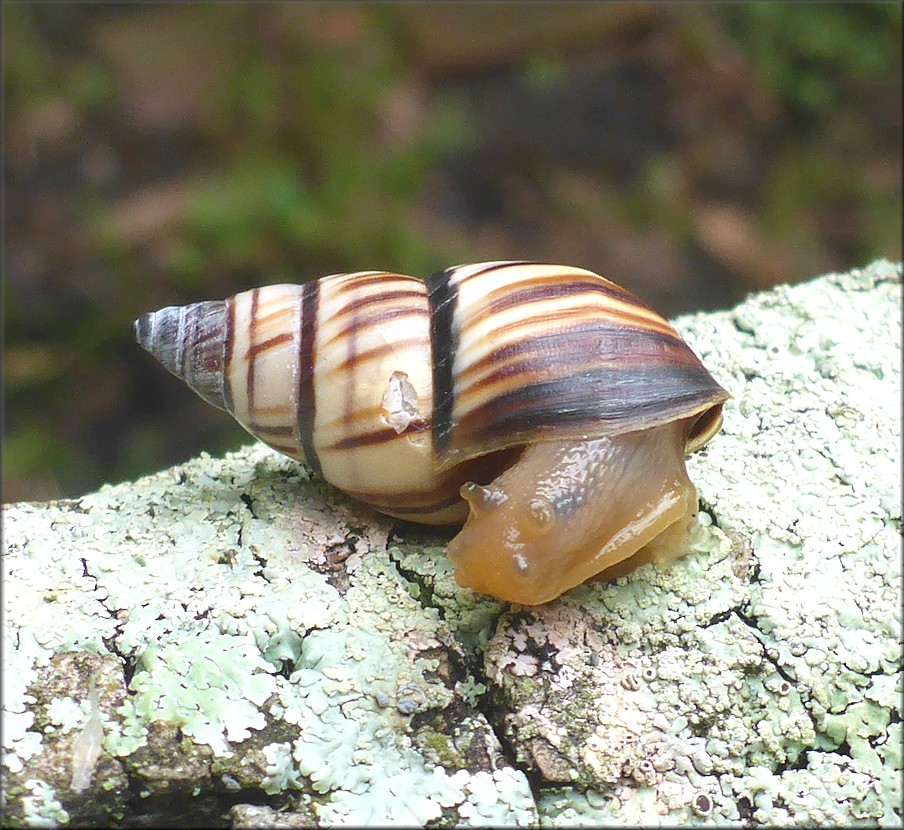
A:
{"x":544,"y":406}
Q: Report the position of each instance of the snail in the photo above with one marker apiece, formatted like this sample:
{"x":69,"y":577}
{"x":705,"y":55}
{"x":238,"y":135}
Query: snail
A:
{"x":544,"y":406}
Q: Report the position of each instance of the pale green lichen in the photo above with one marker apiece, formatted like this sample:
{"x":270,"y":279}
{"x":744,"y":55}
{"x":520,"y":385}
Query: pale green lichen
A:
{"x":211,"y":686}
{"x":349,"y":745}
{"x":66,"y":714}
{"x":471,"y":615}
{"x":281,"y":773}
{"x":497,"y":798}
{"x":127,"y":734}
{"x":234,"y":629}
{"x":41,"y":807}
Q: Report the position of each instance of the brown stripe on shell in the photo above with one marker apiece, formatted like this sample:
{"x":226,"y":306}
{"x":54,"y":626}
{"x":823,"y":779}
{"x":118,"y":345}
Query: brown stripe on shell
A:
{"x":563,"y":301}
{"x":352,"y":312}
{"x":620,"y":351}
{"x":657,"y":394}
{"x":227,"y":355}
{"x":265,"y":432}
{"x":250,"y":364}
{"x":373,"y":438}
{"x":290,"y":450}
{"x":366,"y":415}
{"x":307,"y":353}
{"x":402,"y":507}
{"x":518,"y":327}
{"x":455,"y":272}
{"x":388,"y":295}
{"x":442,"y":506}
{"x":279,"y":410}
{"x":442,"y":296}
{"x":354,"y":283}
{"x":540,"y":288}
{"x":527,"y":274}
{"x":385,"y":312}
{"x":258,"y":349}
{"x":521,"y":337}
{"x":528,"y":355}
{"x":265,"y":321}
{"x":185,"y":328}
{"x":363,"y":418}
{"x":375,"y":353}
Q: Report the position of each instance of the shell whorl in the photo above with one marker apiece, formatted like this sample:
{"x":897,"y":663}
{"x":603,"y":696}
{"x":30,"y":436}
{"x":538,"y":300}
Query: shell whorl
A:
{"x":526,"y":350}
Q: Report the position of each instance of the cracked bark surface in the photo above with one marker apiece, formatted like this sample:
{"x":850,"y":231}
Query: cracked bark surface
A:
{"x":266,"y":653}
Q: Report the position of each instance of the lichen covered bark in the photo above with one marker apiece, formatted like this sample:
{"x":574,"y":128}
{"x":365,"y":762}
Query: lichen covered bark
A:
{"x":249,"y":647}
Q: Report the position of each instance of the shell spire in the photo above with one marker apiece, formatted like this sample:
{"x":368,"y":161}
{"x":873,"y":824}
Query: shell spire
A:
{"x":191,"y":342}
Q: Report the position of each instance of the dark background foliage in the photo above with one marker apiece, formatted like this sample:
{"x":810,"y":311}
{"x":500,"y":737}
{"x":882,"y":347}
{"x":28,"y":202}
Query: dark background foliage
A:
{"x":160,"y":154}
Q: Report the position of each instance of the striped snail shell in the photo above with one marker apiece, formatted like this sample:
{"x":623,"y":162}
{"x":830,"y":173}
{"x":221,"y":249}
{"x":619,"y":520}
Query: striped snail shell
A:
{"x":544,"y":404}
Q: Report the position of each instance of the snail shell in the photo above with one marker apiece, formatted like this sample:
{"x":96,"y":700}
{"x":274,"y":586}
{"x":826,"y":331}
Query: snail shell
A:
{"x":546,"y":405}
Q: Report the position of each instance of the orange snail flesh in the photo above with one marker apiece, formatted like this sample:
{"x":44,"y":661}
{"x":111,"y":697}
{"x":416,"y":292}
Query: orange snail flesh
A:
{"x":573,"y":510}
{"x":544,"y":403}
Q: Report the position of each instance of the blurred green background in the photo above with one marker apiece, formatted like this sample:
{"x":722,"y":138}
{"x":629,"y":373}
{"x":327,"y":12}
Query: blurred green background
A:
{"x":161,"y":154}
